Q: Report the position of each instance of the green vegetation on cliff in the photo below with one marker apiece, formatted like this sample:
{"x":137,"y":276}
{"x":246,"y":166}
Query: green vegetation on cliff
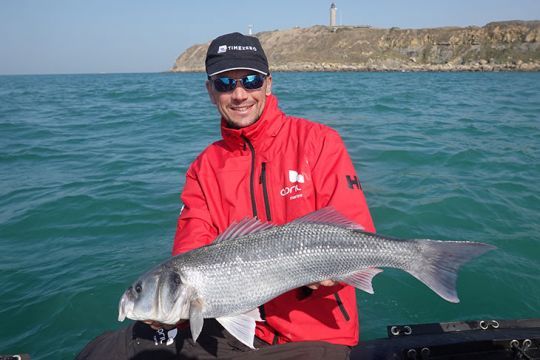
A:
{"x":509,"y":45}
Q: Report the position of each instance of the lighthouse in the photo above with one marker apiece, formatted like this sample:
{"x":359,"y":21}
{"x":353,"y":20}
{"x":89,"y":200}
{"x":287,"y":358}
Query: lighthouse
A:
{"x":333,"y":11}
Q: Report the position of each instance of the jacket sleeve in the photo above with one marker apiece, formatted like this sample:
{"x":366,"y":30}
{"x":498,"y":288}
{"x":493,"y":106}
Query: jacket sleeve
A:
{"x":194,"y":228}
{"x":337,"y":185}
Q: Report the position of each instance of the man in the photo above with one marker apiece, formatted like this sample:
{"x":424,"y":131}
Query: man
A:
{"x":276,"y":168}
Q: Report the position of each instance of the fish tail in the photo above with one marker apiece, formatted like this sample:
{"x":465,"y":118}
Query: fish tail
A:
{"x":440,"y":262}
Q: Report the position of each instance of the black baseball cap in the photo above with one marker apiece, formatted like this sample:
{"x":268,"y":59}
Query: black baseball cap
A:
{"x":235,"y":51}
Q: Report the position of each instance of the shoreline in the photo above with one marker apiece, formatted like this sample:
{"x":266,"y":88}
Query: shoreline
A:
{"x":333,"y":67}
{"x":476,"y":67}
{"x":531,"y":68}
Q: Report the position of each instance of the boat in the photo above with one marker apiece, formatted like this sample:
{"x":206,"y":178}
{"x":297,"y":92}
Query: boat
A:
{"x":476,"y":339}
{"x":460,"y":340}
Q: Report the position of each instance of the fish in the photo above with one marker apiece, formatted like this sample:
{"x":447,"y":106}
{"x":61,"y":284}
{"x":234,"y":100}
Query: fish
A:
{"x":252,"y":262}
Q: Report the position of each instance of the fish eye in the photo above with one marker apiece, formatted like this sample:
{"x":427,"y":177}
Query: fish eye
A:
{"x":138,"y":288}
{"x":176,"y":279}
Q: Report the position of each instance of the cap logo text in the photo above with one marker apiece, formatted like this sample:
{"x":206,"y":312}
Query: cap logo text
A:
{"x":224,"y":48}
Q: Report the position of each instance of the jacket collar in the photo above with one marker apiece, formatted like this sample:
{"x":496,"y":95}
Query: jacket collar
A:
{"x":261,"y":133}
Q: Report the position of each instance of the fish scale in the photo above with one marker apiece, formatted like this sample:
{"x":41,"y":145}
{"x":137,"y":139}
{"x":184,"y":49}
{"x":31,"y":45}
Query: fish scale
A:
{"x":315,"y":258}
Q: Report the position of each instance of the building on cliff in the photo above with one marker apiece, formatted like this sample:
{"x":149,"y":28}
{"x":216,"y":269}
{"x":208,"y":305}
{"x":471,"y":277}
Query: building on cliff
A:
{"x":333,"y":12}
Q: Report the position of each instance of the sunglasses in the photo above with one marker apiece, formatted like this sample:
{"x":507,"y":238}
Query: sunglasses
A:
{"x":249,"y":82}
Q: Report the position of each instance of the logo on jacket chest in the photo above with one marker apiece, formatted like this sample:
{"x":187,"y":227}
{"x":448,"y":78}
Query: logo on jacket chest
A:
{"x":294,"y":191}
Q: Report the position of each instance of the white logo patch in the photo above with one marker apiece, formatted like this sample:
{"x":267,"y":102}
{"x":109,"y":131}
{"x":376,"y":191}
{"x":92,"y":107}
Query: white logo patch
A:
{"x":294,"y":176}
{"x":294,"y":191}
{"x":222,"y":49}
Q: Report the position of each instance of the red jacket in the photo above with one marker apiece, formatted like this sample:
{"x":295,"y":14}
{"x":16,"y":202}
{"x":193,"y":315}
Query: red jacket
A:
{"x":278,"y":169}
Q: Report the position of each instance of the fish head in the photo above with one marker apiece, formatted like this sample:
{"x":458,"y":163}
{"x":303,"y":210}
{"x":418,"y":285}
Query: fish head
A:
{"x":159,"y":295}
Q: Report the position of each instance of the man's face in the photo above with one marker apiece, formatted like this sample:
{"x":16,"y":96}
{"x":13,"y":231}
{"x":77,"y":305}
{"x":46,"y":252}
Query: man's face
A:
{"x":240,"y":107}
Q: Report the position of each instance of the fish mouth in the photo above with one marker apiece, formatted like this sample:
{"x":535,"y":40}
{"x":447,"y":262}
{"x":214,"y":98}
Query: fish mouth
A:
{"x":125,"y":307}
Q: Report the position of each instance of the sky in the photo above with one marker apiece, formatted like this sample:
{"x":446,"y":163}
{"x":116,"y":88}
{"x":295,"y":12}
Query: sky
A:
{"x":119,"y":36}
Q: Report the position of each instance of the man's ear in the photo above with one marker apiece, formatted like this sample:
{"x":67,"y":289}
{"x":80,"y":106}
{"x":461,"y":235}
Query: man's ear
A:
{"x":210,"y":92}
{"x":269,"y":85}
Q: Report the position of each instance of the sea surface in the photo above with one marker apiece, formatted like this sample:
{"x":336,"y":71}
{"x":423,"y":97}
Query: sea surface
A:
{"x":91,"y":168}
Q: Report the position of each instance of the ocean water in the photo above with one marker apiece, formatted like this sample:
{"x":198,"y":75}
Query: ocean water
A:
{"x":91,"y":167}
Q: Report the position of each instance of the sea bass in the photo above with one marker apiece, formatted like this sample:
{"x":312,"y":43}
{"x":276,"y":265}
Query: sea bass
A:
{"x":253,"y":262}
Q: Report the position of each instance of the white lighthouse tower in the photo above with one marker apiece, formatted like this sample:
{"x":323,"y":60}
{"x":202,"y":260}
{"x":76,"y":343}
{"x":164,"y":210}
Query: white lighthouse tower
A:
{"x":333,"y":11}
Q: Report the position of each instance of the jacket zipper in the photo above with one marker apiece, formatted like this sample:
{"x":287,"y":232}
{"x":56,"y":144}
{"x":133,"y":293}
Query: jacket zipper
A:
{"x":269,"y":218}
{"x":342,"y":307}
{"x":252,"y":177}
{"x":253,"y":202}
{"x":265,"y":192}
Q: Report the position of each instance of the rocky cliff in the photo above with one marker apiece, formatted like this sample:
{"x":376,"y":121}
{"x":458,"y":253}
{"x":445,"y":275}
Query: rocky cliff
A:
{"x":498,"y":46}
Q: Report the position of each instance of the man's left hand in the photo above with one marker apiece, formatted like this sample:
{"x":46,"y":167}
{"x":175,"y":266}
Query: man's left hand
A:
{"x":315,"y":286}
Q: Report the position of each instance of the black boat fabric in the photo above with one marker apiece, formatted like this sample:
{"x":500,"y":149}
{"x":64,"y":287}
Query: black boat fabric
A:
{"x":479,"y":339}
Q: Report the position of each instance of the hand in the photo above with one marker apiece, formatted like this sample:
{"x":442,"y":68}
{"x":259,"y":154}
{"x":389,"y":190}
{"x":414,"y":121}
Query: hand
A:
{"x":315,"y":286}
{"x":157,"y":325}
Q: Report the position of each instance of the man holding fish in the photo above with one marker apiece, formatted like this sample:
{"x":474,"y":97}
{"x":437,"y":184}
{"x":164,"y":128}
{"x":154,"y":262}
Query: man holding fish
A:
{"x":276,"y":168}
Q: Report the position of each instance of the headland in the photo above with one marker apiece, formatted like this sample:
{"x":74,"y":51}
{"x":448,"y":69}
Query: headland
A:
{"x":497,"y":46}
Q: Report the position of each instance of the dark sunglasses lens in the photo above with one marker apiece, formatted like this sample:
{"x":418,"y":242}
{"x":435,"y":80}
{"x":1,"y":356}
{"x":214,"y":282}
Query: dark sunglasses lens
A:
{"x":224,"y":84}
{"x":252,"y":82}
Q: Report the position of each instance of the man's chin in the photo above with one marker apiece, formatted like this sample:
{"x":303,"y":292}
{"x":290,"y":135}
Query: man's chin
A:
{"x":241,"y":123}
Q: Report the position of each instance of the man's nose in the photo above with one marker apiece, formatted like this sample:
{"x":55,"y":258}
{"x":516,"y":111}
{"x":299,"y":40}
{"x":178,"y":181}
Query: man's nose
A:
{"x":239,"y":93}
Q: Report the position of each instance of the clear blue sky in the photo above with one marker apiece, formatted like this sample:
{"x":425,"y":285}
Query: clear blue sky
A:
{"x":75,"y":36}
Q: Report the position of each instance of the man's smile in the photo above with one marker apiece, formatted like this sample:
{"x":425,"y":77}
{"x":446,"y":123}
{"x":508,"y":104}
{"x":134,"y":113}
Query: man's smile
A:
{"x":241,"y":108}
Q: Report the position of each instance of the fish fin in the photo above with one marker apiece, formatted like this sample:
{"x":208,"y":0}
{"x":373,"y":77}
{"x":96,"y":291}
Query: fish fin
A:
{"x":243,"y":227}
{"x":124,"y":308}
{"x":254,"y":314}
{"x":330,"y":216}
{"x":440,"y":262}
{"x":362,"y":279}
{"x":196,"y":319}
{"x":242,"y":326}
